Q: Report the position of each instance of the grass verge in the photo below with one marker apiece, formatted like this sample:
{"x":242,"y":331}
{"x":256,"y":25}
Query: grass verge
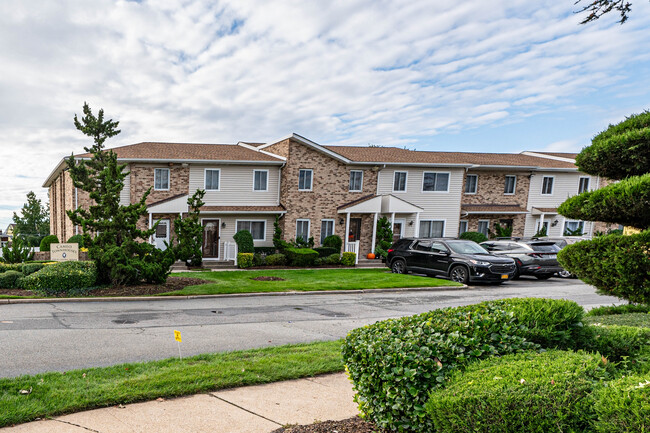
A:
{"x":640,"y":320}
{"x":59,"y":393}
{"x":304,"y":280}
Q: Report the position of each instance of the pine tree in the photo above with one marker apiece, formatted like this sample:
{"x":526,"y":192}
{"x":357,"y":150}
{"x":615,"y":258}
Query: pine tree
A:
{"x":34,"y":222}
{"x":189,"y":232}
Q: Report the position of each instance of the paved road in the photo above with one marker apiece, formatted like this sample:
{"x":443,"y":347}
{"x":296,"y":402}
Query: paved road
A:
{"x":63,"y":336}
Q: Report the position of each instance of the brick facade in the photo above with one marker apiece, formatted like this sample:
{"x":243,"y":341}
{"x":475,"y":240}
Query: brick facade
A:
{"x":518,"y":222}
{"x":142,"y":178}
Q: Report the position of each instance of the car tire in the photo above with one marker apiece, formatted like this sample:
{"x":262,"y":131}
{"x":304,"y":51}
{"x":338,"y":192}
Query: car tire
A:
{"x":398,"y":267}
{"x":459,"y":274}
{"x":543,"y":276}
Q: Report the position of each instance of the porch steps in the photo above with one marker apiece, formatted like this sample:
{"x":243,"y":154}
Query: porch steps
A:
{"x":180,"y":266}
{"x":366,"y":263}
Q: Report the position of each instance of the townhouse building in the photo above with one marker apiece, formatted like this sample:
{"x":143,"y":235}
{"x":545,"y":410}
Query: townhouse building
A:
{"x":317,"y":191}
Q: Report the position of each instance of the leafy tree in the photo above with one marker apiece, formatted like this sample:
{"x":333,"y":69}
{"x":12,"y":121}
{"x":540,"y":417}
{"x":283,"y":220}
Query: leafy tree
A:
{"x":616,"y":265}
{"x":384,"y":237}
{"x":115,"y":244}
{"x":502,"y":231}
{"x":189,"y":232}
{"x":19,"y":251}
{"x":597,"y":8}
{"x":279,"y":243}
{"x":34,"y":222}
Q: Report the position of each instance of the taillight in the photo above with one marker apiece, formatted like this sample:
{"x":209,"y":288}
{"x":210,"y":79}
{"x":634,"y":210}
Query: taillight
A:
{"x":390,"y":250}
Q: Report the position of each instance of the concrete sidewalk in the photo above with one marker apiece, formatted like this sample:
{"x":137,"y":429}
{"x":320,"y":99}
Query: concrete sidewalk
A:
{"x":251,"y":409}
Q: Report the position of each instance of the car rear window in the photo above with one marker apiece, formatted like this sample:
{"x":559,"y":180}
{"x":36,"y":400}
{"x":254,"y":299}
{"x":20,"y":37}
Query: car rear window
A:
{"x":546,"y":247}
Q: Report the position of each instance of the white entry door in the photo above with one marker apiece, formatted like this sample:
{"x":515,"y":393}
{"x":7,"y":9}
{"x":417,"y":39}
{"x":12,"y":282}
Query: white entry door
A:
{"x":162,"y":234}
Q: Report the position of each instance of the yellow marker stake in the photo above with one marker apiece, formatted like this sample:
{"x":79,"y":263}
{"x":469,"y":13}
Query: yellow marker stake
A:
{"x":177,"y":337}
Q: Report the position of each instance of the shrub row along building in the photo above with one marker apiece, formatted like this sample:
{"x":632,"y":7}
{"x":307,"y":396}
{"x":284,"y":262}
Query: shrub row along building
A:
{"x":321,"y":190}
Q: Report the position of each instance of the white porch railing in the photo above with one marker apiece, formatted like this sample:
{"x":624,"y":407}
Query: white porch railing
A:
{"x":353,"y":247}
{"x":230,"y":251}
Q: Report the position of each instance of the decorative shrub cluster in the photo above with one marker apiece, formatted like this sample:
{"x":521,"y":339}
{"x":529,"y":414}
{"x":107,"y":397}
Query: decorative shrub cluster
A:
{"x":333,"y":241}
{"x":9,"y":279}
{"x":244,"y":260}
{"x":474,"y":236}
{"x":348,"y":259}
{"x":276,"y":260}
{"x":333,"y":259}
{"x":326,"y":251}
{"x":525,"y":392}
{"x":77,"y":239}
{"x":62,"y":278}
{"x":623,"y":405}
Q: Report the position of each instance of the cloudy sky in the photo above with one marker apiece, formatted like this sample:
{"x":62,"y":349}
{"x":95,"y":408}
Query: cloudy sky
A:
{"x":469,"y":75}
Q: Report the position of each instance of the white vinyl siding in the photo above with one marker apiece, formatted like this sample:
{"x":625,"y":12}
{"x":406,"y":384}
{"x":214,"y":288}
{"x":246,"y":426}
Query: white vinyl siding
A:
{"x":260,"y":180}
{"x":399,"y":181}
{"x":547,"y":185}
{"x":432,"y":229}
{"x":125,"y":194}
{"x":471,"y":183}
{"x":583,"y":185}
{"x":236,"y":184}
{"x":326,"y":229}
{"x":356,"y":180}
{"x":302,"y":229}
{"x":161,"y":179}
{"x":510,"y":185}
{"x":484,"y":227}
{"x":256,"y":228}
{"x":212,"y":179}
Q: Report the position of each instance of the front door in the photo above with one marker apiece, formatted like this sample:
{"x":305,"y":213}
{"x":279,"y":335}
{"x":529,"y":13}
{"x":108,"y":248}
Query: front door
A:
{"x":355,"y":230}
{"x":398,"y":230}
{"x":161,"y":237}
{"x":210,"y":239}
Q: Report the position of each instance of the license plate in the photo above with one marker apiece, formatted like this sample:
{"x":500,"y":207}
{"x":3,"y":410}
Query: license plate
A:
{"x":552,"y":256}
{"x":504,"y":276}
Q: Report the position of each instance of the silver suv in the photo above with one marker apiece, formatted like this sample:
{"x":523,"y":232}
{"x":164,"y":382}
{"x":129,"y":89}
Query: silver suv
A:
{"x":533,"y":257}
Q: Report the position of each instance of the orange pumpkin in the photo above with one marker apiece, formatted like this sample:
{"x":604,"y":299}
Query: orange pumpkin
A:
{"x":370,"y":256}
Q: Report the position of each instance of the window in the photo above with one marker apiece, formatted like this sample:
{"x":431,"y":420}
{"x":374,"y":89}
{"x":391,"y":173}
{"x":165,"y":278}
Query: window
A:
{"x":511,"y":183}
{"x":260,"y":180}
{"x":547,"y":185}
{"x":161,"y":179}
{"x":302,"y":229}
{"x":574,"y":228}
{"x":257,"y":229}
{"x":356,"y":180}
{"x":484,"y":227}
{"x":436,"y":182}
{"x":462,"y":227}
{"x":432,"y":229}
{"x":326,"y":229}
{"x":470,"y":183}
{"x":212,"y":179}
{"x":583,"y":185}
{"x":399,"y":181}
{"x":304,"y":180}
{"x":161,"y":230}
{"x":439,"y":247}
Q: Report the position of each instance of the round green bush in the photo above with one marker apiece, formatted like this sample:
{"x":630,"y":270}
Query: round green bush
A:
{"x":623,"y":405}
{"x":326,"y":251}
{"x":474,"y":236}
{"x":77,"y":239}
{"x":62,"y":278}
{"x":47,"y":240}
{"x":301,"y":256}
{"x":30,"y":268}
{"x":245,"y":260}
{"x":333,"y":259}
{"x":244,"y":240}
{"x":348,"y":259}
{"x":8,"y":279}
{"x":276,"y":260}
{"x":333,"y":241}
{"x":524,"y":392}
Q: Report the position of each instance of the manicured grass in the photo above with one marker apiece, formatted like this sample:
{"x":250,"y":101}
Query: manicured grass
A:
{"x":641,"y":320}
{"x":304,"y":280}
{"x":58,"y":393}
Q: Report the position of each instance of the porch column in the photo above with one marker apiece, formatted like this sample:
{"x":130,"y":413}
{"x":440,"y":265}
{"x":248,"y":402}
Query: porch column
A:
{"x":541,"y":222}
{"x":150,"y":224}
{"x":392,"y":221}
{"x":417,"y":225}
{"x":347,"y":231}
{"x":374,"y":233}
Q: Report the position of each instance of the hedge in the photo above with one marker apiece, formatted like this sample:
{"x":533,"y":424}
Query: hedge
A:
{"x":616,"y":343}
{"x":244,"y":260}
{"x":326,"y":251}
{"x":333,"y":259}
{"x":77,"y":239}
{"x":62,"y":278}
{"x":264,"y":250}
{"x":623,"y":406}
{"x":46,"y":241}
{"x":333,"y":241}
{"x":276,"y":260}
{"x":9,"y":279}
{"x":525,"y":392}
{"x":474,"y":236}
{"x":244,"y":240}
{"x":4,"y":267}
{"x":616,"y":265}
{"x":301,"y":256}
{"x":348,"y":259}
{"x":30,"y":268}
{"x":618,"y":309}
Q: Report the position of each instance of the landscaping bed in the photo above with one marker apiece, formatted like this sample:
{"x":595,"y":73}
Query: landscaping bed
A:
{"x":350,"y":425}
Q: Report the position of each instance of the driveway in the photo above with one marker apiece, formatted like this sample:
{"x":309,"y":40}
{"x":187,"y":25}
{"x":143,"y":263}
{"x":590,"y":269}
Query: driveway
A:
{"x":63,"y":336}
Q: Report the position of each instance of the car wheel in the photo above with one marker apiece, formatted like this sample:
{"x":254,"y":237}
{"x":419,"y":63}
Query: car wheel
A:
{"x":459,"y":274}
{"x":543,"y":276}
{"x":565,"y":274}
{"x":398,"y":267}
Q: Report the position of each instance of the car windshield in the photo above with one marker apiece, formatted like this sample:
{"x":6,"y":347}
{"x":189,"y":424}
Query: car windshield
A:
{"x":467,"y":248}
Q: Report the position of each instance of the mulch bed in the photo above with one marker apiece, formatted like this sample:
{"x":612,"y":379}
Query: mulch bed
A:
{"x":172,"y":284}
{"x":268,"y":279}
{"x":350,"y":425}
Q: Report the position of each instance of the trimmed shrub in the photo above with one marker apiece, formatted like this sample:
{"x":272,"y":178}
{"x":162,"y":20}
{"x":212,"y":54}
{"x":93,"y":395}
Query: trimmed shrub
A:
{"x":395,"y":363}
{"x":319,"y":261}
{"x":616,"y":343}
{"x":30,"y":268}
{"x":77,"y":239}
{"x":525,"y":392}
{"x":618,"y":309}
{"x":62,"y":278}
{"x":301,"y":256}
{"x":276,"y":260}
{"x":616,"y":265}
{"x":245,"y":260}
{"x":258,"y":260}
{"x":333,"y":241}
{"x":265,"y":251}
{"x":47,"y":240}
{"x":4,"y":267}
{"x":348,"y":259}
{"x":8,"y":279}
{"x":623,"y":405}
{"x":333,"y":259}
{"x":326,"y":251}
{"x":477,"y":237}
{"x":244,"y":240}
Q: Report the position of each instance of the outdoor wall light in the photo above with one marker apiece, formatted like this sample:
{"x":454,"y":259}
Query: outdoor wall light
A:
{"x":223,"y":225}
{"x":341,"y":221}
{"x":411,"y":222}
{"x":554,"y":223}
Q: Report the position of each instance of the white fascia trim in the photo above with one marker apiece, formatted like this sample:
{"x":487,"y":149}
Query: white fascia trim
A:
{"x":494,"y":213}
{"x":246,"y":212}
{"x":202,"y":161}
{"x":311,"y":144}
{"x":542,"y":155}
{"x":58,"y":169}
{"x":572,"y":170}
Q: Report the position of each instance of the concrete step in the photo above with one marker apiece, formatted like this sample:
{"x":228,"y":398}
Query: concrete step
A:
{"x":180,"y":266}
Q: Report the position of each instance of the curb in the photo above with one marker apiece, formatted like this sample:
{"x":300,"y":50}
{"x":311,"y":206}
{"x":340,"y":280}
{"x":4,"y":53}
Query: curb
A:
{"x":228,"y":295}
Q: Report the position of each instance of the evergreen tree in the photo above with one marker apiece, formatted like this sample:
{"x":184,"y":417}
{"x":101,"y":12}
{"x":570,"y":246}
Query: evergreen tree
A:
{"x":189,"y":232}
{"x":384,"y":237}
{"x":111,"y":230}
{"x":34,"y":222}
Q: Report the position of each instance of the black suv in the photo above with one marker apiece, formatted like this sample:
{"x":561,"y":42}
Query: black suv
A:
{"x":460,"y":260}
{"x":533,"y":257}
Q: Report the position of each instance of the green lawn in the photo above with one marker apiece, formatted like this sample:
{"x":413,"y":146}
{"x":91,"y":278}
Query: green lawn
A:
{"x":641,"y":320}
{"x":58,"y":393}
{"x":304,"y":280}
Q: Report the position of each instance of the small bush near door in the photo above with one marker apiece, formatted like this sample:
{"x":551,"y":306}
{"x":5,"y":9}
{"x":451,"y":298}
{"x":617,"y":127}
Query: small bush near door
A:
{"x":333,"y":241}
{"x":474,"y":236}
{"x":348,"y":259}
{"x":244,"y":240}
{"x":244,"y":260}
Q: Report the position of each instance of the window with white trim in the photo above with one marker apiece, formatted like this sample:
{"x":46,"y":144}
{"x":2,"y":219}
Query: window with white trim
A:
{"x":212,"y":179}
{"x":304,"y":179}
{"x":510,"y":185}
{"x":161,"y":179}
{"x":399,"y":181}
{"x":462,"y":227}
{"x":471,"y":183}
{"x":302,"y":229}
{"x":356,"y":180}
{"x":432,"y":229}
{"x":574,"y":228}
{"x":583,"y":185}
{"x":435,"y":182}
{"x":326,"y":229}
{"x":260,"y":180}
{"x":484,"y":227}
{"x":547,"y":185}
{"x":257,"y":228}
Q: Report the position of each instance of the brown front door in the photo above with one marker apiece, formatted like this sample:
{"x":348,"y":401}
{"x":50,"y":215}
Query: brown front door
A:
{"x":211,"y":239}
{"x":397,"y":231}
{"x":355,"y":230}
